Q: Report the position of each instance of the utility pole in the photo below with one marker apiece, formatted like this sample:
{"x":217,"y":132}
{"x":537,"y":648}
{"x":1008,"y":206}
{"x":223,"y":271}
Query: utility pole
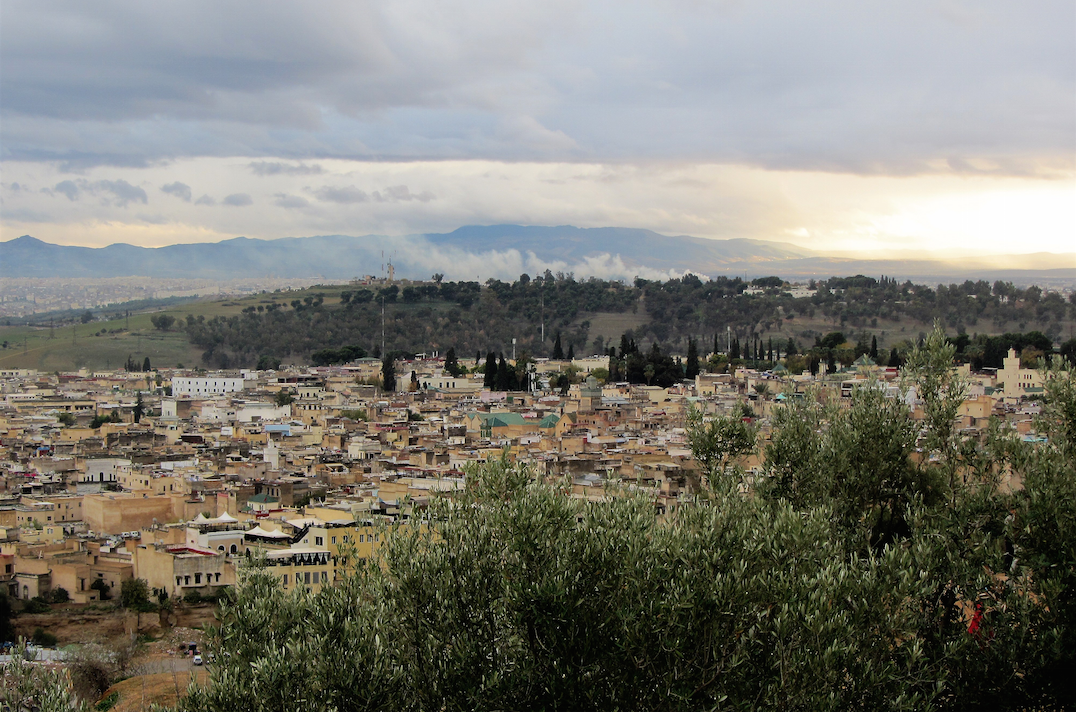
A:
{"x":382,"y":326}
{"x":729,"y":332}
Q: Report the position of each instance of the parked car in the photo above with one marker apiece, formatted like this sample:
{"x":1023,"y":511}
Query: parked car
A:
{"x":197,"y":659}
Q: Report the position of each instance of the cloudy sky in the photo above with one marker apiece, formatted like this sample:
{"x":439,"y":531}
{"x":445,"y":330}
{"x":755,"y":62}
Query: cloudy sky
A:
{"x":839,"y":125}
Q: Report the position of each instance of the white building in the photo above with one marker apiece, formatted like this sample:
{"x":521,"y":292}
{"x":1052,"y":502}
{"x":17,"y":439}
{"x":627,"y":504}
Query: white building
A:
{"x":1016,"y":381}
{"x":206,"y":386}
{"x":105,"y":470}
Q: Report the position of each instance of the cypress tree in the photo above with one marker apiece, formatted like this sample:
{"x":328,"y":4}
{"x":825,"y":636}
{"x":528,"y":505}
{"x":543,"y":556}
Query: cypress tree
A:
{"x":735,"y":353}
{"x":388,"y":373}
{"x":692,"y":368}
{"x":790,"y":347}
{"x":502,"y":381}
{"x":489,"y":380}
{"x":452,"y":364}
{"x":571,"y":351}
{"x":145,"y":365}
{"x":874,"y":348}
{"x":558,"y":350}
{"x":769,"y":350}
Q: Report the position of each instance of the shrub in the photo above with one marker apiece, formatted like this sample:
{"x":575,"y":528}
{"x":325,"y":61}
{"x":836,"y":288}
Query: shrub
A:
{"x":43,"y":638}
{"x":134,"y":594}
{"x":107,"y":703}
{"x":92,"y":671}
{"x":37,"y":604}
{"x":59,"y":595}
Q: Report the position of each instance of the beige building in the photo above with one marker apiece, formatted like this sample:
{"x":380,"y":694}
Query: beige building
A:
{"x":310,"y":568}
{"x":182,"y":568}
{"x":119,"y":512}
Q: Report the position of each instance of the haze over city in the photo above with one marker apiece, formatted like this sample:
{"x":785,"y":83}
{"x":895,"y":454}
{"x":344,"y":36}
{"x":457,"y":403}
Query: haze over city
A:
{"x":946,"y":128}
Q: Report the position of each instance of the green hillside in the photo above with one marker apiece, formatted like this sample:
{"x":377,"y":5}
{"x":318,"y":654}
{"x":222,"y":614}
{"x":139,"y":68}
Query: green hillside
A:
{"x":590,"y":315}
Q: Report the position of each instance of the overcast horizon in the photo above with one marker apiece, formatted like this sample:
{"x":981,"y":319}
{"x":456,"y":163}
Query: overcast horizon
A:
{"x":940,"y":127}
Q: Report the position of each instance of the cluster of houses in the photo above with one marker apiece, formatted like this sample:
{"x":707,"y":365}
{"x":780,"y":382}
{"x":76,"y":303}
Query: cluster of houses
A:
{"x":221,"y":467}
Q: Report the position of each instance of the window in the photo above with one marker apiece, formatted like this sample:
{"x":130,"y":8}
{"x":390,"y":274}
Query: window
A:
{"x":285,"y":579}
{"x":362,"y":538}
{"x":186,"y":580}
{"x":334,"y":540}
{"x":179,"y":580}
{"x":198,"y":578}
{"x":306,"y":577}
{"x":317,"y":575}
{"x":319,"y":541}
{"x":217,"y":577}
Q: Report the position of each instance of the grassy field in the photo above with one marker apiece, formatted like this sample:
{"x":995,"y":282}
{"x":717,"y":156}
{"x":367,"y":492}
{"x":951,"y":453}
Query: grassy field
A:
{"x":107,"y":344}
{"x":140,"y":692}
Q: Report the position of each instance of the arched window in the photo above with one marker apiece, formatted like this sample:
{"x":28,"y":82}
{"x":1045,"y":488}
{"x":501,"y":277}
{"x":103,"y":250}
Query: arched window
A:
{"x":233,"y":549}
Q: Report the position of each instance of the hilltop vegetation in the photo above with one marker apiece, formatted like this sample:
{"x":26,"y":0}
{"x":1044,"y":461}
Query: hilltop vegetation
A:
{"x":476,"y":318}
{"x":591,"y":315}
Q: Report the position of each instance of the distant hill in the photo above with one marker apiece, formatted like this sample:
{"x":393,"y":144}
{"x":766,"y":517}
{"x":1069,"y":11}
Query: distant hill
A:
{"x":502,"y":251}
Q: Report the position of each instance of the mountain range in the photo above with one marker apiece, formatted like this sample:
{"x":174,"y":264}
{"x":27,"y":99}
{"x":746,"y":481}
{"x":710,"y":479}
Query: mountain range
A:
{"x":501,"y":251}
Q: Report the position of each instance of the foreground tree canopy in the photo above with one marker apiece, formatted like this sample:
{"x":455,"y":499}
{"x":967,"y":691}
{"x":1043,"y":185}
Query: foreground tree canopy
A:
{"x":852,"y":573}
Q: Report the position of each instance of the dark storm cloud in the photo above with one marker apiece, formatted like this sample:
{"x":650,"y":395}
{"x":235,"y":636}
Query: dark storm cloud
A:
{"x":238,"y":200}
{"x":180,"y":190}
{"x":865,"y":87}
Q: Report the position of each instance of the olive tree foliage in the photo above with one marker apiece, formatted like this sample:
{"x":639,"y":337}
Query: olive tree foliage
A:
{"x":929,"y":367}
{"x":717,"y":443}
{"x":856,"y":461}
{"x":518,"y":596}
{"x":989,"y":521}
{"x":26,"y":687}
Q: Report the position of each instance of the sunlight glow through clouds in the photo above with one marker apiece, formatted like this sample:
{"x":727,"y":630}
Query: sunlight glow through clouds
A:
{"x":208,"y":199}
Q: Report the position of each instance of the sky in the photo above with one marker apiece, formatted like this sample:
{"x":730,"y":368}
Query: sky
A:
{"x":856,"y":127}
